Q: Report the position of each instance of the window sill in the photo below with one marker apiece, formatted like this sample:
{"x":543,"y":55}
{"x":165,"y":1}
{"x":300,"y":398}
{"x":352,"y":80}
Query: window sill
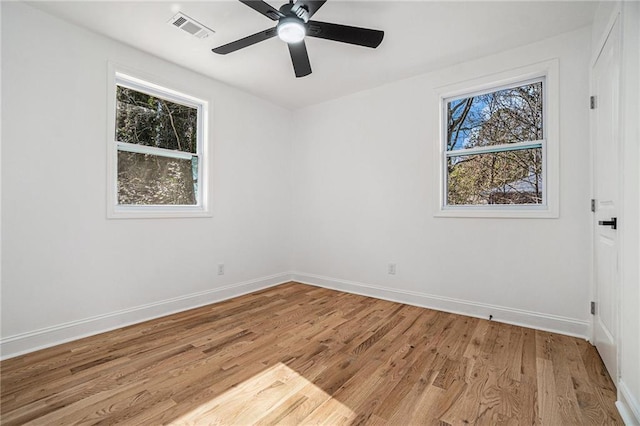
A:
{"x":157,"y":212}
{"x":514,"y":212}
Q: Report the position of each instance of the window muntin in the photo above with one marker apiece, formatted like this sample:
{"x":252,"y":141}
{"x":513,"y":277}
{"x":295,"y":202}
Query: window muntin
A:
{"x":158,"y":155}
{"x":495,"y":147}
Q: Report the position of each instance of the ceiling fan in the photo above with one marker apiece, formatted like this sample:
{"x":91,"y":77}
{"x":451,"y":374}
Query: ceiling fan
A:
{"x":294,"y":24}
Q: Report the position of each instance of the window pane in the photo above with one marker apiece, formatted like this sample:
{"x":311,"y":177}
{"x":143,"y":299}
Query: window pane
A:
{"x":509,"y":177}
{"x":505,"y":116}
{"x":147,"y":120}
{"x":145,"y":179}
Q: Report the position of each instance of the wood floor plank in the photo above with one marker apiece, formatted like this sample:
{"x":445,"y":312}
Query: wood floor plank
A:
{"x":296,"y":354}
{"x":548,"y":399}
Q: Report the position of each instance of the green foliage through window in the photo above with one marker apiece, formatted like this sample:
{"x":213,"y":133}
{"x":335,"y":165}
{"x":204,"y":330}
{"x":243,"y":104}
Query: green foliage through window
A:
{"x":483,"y":165}
{"x":145,"y":179}
{"x":508,"y":177}
{"x":144,"y":119}
{"x":157,"y":142}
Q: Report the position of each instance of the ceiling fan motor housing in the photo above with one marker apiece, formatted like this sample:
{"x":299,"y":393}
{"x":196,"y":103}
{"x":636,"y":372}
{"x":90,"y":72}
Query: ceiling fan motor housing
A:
{"x":295,"y":10}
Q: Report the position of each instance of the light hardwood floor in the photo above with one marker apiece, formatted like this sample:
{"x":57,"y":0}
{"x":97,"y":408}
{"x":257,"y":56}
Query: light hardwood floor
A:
{"x":296,"y":354}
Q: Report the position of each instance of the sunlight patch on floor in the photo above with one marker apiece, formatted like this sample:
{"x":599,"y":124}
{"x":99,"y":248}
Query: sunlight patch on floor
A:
{"x":277,"y":395}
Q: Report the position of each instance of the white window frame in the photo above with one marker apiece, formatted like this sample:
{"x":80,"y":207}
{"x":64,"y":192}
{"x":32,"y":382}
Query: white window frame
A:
{"x":546,"y":71}
{"x":136,"y":81}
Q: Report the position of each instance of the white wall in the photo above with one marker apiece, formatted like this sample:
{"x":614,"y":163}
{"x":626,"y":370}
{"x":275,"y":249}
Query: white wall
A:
{"x":364,"y":196}
{"x":65,"y":267}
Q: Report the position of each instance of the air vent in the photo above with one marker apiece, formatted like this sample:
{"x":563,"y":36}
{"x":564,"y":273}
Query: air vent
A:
{"x":190,"y":25}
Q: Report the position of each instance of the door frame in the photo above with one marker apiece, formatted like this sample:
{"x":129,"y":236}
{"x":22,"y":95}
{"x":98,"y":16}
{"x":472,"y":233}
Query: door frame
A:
{"x":615,"y":18}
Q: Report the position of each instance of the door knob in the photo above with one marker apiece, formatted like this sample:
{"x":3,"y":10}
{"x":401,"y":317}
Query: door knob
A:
{"x":613,"y":223}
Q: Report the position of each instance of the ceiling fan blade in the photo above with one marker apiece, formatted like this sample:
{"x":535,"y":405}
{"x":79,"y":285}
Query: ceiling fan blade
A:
{"x":246,"y":41}
{"x":345,"y":34}
{"x":312,"y":6}
{"x":263,"y":8}
{"x":300,"y":59}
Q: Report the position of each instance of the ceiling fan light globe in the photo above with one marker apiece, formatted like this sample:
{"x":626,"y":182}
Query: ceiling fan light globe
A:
{"x":291,"y":30}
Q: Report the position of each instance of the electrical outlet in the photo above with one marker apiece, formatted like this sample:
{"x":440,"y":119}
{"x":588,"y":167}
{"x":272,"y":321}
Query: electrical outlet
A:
{"x":391,"y":270}
{"x":220,"y":268}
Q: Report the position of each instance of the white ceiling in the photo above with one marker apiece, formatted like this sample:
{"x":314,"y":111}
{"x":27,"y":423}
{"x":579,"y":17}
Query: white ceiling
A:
{"x":420,"y":36}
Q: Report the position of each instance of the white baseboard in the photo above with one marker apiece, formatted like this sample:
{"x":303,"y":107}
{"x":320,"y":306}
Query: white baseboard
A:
{"x":537,"y":320}
{"x":627,"y":405}
{"x":19,"y":344}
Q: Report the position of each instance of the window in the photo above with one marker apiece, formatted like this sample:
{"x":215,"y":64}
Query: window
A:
{"x":495,"y":153}
{"x":157,"y":151}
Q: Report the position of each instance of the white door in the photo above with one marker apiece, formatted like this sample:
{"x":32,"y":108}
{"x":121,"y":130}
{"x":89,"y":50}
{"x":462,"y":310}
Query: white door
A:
{"x":605,"y":120}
